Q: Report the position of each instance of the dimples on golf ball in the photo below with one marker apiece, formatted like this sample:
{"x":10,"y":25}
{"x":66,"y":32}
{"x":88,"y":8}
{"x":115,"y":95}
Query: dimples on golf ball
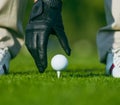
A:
{"x":59,"y":62}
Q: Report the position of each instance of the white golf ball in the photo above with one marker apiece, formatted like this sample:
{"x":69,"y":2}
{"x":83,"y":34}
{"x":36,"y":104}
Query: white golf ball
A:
{"x":59,"y":62}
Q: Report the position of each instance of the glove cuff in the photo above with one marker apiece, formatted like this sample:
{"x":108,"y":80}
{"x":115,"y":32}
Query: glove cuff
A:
{"x":52,"y":3}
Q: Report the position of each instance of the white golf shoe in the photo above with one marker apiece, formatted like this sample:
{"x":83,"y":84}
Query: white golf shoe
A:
{"x":4,"y":61}
{"x":113,"y":63}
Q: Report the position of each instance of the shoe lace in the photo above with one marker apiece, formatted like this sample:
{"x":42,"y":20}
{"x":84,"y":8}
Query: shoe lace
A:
{"x":3,"y":53}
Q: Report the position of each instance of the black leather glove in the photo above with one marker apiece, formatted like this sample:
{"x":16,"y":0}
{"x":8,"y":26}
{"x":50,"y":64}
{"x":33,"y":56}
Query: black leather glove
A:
{"x":45,"y":19}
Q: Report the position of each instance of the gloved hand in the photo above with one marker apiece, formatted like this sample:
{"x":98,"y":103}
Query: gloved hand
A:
{"x":45,"y":19}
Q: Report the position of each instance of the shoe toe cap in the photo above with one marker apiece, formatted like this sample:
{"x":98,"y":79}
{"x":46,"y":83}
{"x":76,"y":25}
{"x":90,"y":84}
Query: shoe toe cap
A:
{"x":116,"y":72}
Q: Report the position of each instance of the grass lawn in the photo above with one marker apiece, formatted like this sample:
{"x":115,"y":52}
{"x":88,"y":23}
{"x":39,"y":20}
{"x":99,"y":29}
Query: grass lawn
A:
{"x":83,"y":83}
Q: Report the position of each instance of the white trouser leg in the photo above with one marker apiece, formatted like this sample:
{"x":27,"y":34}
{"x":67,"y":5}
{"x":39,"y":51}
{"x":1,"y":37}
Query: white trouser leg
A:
{"x":108,"y":37}
{"x":11,"y":30}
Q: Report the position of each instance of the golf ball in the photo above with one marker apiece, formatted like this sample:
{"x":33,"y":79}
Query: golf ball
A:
{"x":59,"y":62}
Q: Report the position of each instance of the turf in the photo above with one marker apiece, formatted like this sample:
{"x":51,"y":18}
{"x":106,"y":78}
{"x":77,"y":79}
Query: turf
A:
{"x":83,"y":83}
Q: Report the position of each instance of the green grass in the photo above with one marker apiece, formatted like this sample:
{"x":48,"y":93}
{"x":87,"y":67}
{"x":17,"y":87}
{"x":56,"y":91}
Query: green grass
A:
{"x":83,"y":83}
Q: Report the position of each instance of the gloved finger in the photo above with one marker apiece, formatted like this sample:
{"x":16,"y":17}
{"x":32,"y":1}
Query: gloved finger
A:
{"x":42,"y":41}
{"x":63,"y":39}
{"x":30,"y":41}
